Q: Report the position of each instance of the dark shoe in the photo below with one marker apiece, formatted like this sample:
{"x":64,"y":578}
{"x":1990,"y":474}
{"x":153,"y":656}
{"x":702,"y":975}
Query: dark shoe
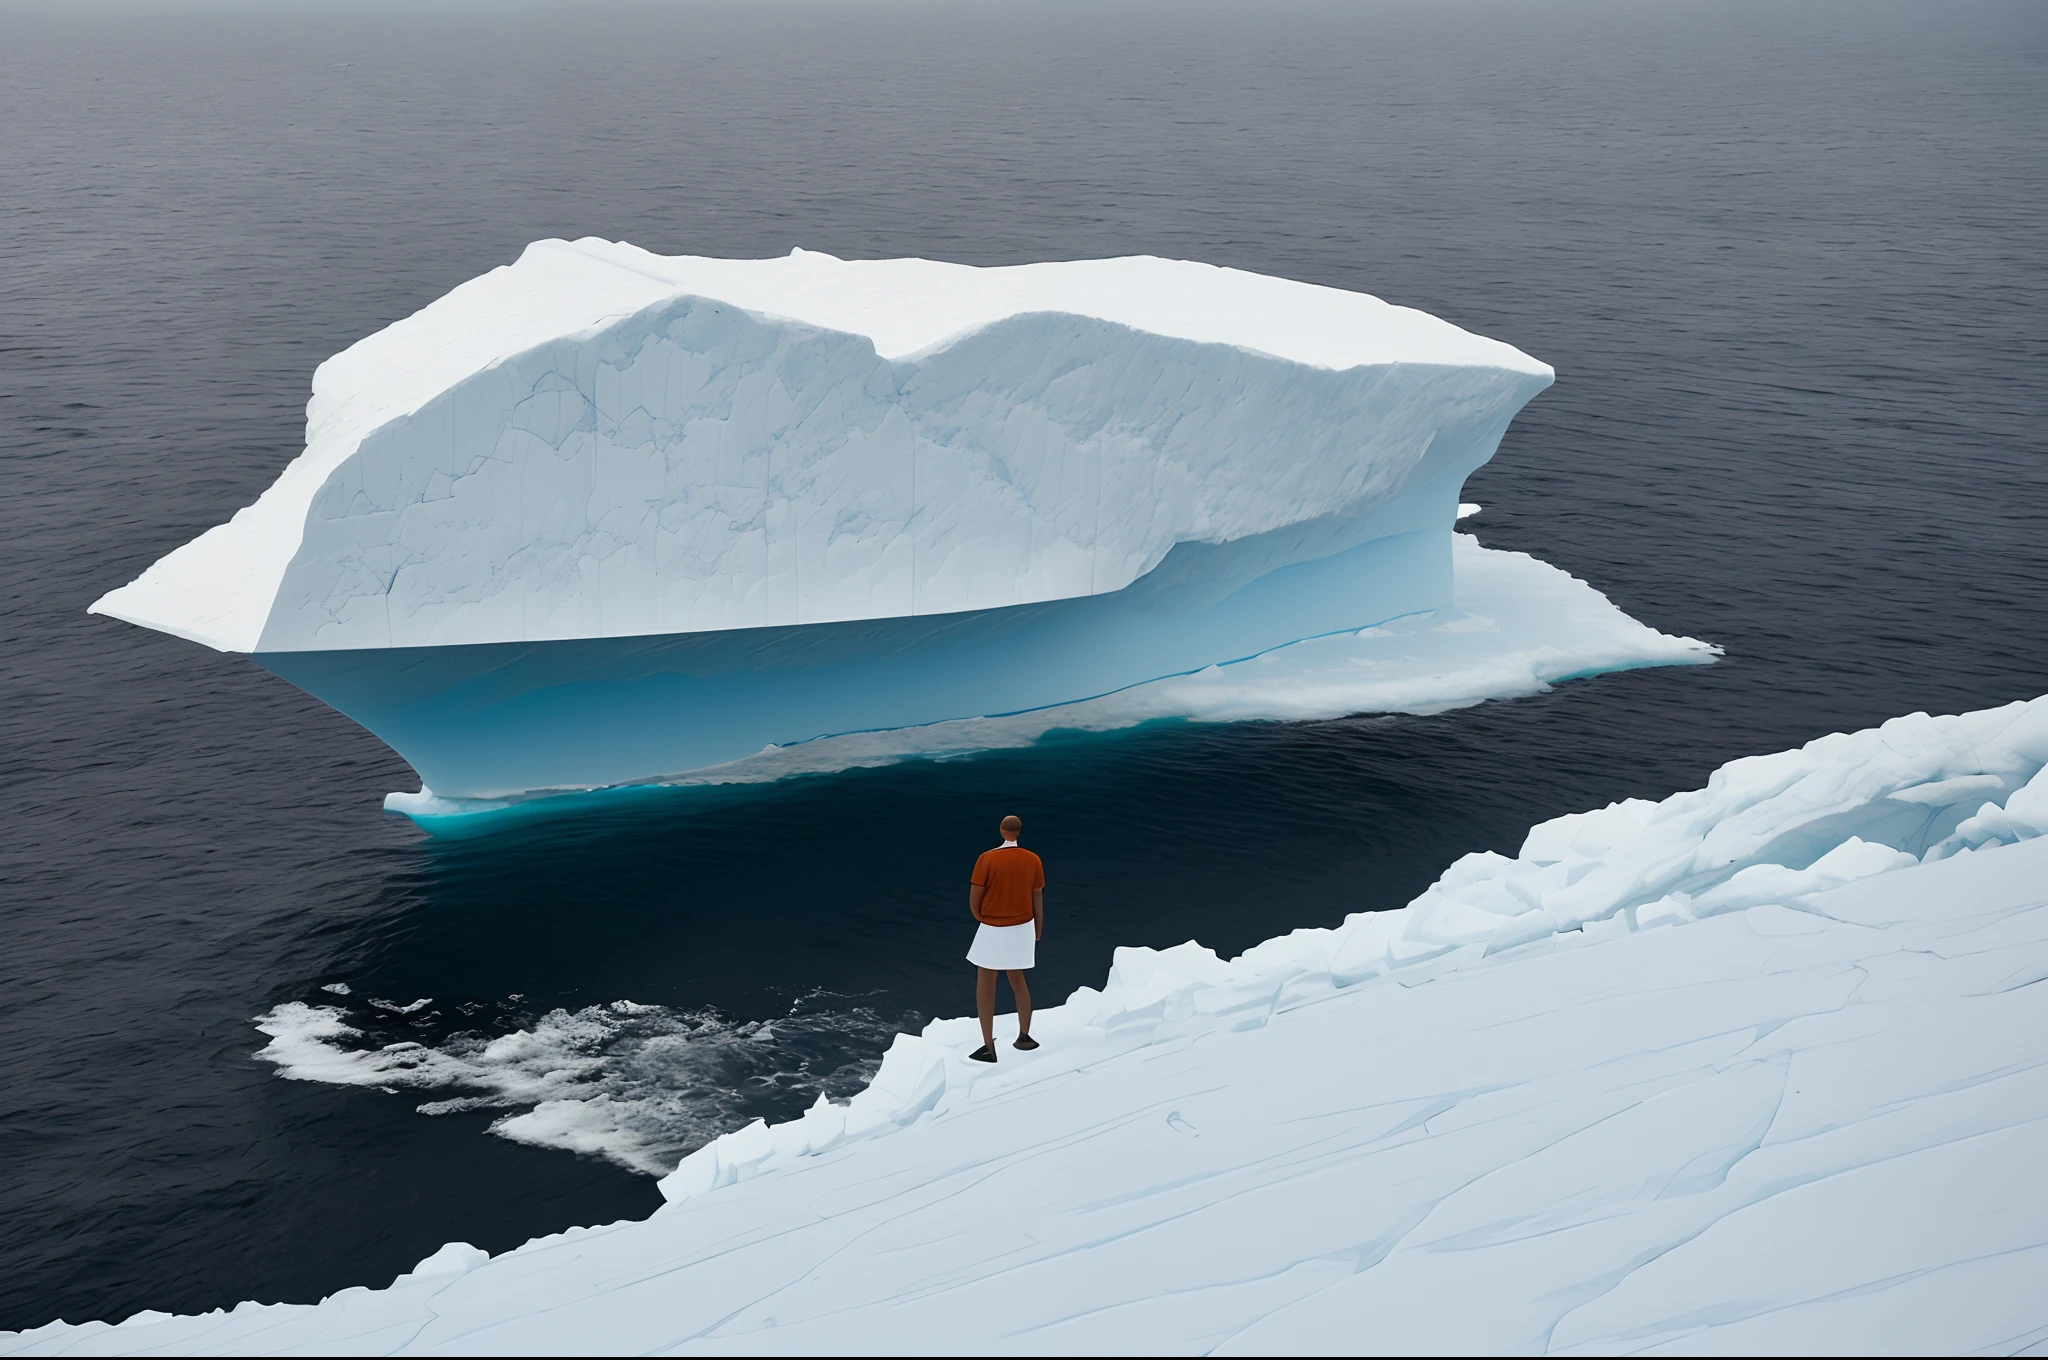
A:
{"x":1026,"y":1042}
{"x":986,"y":1053}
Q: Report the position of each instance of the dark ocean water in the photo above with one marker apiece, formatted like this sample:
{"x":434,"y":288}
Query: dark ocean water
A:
{"x":1787,"y":261}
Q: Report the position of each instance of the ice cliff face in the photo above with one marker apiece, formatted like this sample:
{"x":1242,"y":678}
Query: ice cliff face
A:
{"x":599,"y":442}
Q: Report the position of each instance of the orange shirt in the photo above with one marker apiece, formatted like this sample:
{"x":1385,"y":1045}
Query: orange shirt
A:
{"x":1007,"y":876}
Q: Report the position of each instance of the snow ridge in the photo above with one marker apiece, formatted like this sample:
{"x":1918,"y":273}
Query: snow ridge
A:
{"x":1769,"y":829}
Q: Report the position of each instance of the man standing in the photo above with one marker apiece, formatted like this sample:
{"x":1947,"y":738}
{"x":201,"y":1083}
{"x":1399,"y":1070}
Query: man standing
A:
{"x":1007,"y":896}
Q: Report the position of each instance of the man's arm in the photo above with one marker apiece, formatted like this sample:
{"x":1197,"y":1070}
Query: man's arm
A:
{"x":974,"y":892}
{"x":1038,"y":913}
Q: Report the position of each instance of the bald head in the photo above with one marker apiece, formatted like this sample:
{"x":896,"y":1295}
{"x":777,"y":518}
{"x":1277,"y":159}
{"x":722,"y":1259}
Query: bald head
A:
{"x":1011,"y":827}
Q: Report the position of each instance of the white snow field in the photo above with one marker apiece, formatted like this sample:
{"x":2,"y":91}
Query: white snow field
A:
{"x":1759,"y":1068}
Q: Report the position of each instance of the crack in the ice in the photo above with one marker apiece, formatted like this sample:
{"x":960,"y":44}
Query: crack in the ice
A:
{"x":1766,"y":1193}
{"x":1708,"y":1319}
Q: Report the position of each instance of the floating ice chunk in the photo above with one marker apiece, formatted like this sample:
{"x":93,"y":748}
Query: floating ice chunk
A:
{"x":601,"y":517}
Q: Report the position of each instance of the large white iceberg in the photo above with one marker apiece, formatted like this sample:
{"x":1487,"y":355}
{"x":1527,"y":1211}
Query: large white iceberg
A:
{"x":1754,"y":1069}
{"x":602,"y":516}
{"x":601,"y":442}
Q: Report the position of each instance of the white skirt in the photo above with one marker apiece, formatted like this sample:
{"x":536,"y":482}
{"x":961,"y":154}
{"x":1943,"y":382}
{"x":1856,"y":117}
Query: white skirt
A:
{"x":1004,"y":946}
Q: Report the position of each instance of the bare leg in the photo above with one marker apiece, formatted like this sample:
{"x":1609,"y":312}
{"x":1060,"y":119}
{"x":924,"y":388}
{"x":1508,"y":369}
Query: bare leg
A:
{"x":985,"y":999}
{"x":1023,"y":995}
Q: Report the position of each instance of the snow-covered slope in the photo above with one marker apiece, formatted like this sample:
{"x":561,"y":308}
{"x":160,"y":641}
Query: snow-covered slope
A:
{"x":600,"y":442}
{"x":1757,"y":1068}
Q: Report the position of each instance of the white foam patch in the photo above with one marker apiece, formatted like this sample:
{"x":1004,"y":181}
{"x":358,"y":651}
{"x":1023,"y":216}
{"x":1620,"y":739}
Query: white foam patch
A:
{"x":640,"y":1086}
{"x":1519,"y":625}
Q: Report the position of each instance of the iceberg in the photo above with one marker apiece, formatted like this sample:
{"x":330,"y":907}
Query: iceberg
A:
{"x":602,"y":516}
{"x":1753,"y":1069}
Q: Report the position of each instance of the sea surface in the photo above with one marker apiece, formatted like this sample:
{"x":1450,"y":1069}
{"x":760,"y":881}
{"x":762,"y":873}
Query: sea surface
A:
{"x":1787,"y":260}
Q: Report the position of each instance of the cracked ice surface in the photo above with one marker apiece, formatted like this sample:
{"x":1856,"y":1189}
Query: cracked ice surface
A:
{"x":1771,"y":1079}
{"x":600,"y":442}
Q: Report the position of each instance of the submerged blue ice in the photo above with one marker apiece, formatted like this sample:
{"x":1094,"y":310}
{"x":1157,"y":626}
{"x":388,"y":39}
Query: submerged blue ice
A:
{"x":496,"y":719}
